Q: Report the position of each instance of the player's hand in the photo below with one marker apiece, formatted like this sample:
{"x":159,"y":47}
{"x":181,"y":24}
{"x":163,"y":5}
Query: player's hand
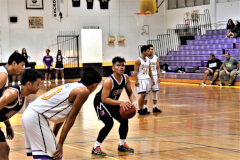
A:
{"x":46,"y":67}
{"x":159,"y":80}
{"x":10,"y":133}
{"x":153,"y":82}
{"x":50,"y":67}
{"x":58,"y":154}
{"x":136,"y":84}
{"x":211,"y":70}
{"x":228,"y":73}
{"x":218,"y":70}
{"x":125,"y":105}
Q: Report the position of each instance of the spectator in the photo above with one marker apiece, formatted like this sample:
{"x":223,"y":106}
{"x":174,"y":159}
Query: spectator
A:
{"x":236,"y":31}
{"x":47,"y":61}
{"x":230,"y":66}
{"x":230,"y":26}
{"x":214,"y":66}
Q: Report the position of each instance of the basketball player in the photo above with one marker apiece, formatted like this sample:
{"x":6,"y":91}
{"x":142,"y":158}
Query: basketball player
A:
{"x":11,"y":102}
{"x":59,"y":66}
{"x":154,"y":64}
{"x":142,"y":74}
{"x":59,"y":105}
{"x":107,"y":106}
{"x":47,"y":61}
{"x":15,"y":65}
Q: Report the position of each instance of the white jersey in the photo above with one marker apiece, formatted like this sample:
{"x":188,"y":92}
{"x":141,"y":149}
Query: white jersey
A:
{"x":3,"y":69}
{"x":153,"y":64}
{"x":143,"y":71}
{"x":54,"y":104}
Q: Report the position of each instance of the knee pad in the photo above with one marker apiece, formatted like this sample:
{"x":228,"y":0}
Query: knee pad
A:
{"x":145,"y":98}
{"x":154,"y":95}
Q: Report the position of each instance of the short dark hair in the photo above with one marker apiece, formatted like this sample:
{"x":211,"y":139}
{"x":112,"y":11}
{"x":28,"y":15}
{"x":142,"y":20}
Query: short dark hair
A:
{"x":48,"y":50}
{"x":227,"y":53}
{"x":118,"y":59}
{"x":17,"y":57}
{"x":90,"y":76}
{"x":30,"y":75}
{"x":211,"y":54}
{"x":144,"y":48}
{"x":150,"y":45}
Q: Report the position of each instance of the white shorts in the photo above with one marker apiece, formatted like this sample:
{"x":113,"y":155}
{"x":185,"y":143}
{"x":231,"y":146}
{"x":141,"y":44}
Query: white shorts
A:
{"x":144,"y":86}
{"x":154,"y":87}
{"x":40,"y":141}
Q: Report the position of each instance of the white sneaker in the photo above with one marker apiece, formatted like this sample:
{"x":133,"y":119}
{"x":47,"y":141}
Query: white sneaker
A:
{"x":49,"y":82}
{"x":63,"y":80}
{"x":56,"y":80}
{"x":19,"y":82}
{"x":13,"y":83}
{"x":45,"y":82}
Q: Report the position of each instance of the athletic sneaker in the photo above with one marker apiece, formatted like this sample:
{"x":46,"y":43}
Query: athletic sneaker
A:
{"x":13,"y":83}
{"x":203,"y":83}
{"x":49,"y":82}
{"x":19,"y":82}
{"x":221,"y":84}
{"x":45,"y":82}
{"x":63,"y":80}
{"x":98,"y":151}
{"x":156,"y":110}
{"x":125,"y":148}
{"x":146,"y":111}
{"x":141,"y":112}
{"x":56,"y":80}
{"x":230,"y":84}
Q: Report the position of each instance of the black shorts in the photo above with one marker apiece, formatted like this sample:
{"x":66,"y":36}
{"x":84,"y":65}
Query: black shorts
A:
{"x":213,"y":72}
{"x":59,"y":66}
{"x":2,"y":136}
{"x":105,"y":110}
{"x":48,"y":70}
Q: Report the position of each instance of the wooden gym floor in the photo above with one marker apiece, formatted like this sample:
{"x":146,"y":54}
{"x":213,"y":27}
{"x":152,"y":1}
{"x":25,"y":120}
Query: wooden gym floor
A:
{"x":197,"y":123}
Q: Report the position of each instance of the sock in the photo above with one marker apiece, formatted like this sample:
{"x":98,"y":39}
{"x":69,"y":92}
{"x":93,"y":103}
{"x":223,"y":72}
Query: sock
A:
{"x":154,"y":106}
{"x":122,"y":142}
{"x":145,"y":106}
{"x":97,"y":144}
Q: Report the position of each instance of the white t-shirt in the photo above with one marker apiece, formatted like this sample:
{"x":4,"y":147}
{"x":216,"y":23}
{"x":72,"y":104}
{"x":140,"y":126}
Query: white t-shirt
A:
{"x":3,"y":69}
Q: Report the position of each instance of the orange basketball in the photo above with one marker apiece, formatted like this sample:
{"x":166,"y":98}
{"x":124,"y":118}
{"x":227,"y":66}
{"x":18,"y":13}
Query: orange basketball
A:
{"x":127,"y":114}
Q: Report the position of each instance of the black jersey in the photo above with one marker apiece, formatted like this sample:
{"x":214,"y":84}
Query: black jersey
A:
{"x":90,"y":4}
{"x":11,"y":109}
{"x":116,"y":88}
{"x":59,"y":58}
{"x":104,"y":4}
{"x":76,"y":3}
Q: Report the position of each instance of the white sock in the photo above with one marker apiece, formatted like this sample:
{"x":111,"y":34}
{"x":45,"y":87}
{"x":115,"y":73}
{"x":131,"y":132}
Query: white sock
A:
{"x":122,"y":142}
{"x":145,"y":106}
{"x":97,"y":144}
{"x":154,"y":106}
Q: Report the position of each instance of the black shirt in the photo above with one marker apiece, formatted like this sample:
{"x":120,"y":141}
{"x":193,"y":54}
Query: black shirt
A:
{"x":230,"y":26}
{"x":59,"y":58}
{"x":76,"y":3}
{"x":104,"y":4}
{"x":11,"y":109}
{"x":90,"y":4}
{"x":215,"y":64}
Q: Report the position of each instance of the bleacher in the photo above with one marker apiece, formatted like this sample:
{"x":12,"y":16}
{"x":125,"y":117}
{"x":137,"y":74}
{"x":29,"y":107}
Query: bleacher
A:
{"x":194,"y":56}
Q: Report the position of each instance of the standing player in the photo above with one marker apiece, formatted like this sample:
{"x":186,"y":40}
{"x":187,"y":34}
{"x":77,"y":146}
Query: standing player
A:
{"x":107,"y":106}
{"x":47,"y":61}
{"x":142,"y":74}
{"x":15,"y":65}
{"x":59,"y":66}
{"x":61,"y":104}
{"x":11,"y":102}
{"x":154,"y":64}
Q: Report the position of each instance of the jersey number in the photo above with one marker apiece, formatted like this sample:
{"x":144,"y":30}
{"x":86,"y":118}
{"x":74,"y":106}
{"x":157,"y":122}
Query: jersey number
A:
{"x":51,"y":93}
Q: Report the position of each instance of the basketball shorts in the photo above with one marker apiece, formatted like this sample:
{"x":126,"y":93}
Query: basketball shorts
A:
{"x":154,"y":87}
{"x":105,"y":110}
{"x":40,"y":142}
{"x":144,"y":86}
{"x":2,"y":137}
{"x":48,"y":70}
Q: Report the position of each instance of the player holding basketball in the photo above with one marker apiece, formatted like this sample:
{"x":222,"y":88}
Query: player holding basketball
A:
{"x":107,"y":106}
{"x":11,"y":101}
{"x":154,"y":64}
{"x":143,"y":73}
{"x":61,"y":104}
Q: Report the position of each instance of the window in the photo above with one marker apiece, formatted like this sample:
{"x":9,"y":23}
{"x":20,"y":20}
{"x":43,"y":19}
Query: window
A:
{"x":173,"y":4}
{"x":181,"y":4}
{"x":189,"y":3}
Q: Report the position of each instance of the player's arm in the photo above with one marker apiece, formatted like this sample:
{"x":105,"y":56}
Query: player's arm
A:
{"x":107,"y":85}
{"x":3,"y":79}
{"x":220,"y":68}
{"x":136,"y":69}
{"x":51,"y":63}
{"x":158,"y":70}
{"x":56,"y":128}
{"x":44,"y":62}
{"x":130,"y":92}
{"x":150,"y":73}
{"x":79,"y":97}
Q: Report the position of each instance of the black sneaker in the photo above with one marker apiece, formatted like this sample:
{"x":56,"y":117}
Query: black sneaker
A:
{"x":230,"y":84}
{"x":98,"y":151}
{"x":156,"y":110}
{"x":146,"y":111}
{"x":141,"y":112}
{"x":221,"y":84}
{"x":125,"y":148}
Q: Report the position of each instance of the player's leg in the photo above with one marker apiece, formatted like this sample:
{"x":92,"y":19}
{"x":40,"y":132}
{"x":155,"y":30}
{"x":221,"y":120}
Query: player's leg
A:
{"x":221,"y":75}
{"x":4,"y":148}
{"x":206,"y":73}
{"x":19,"y":79}
{"x":155,"y":89}
{"x":45,"y":76}
{"x":62,"y":73}
{"x":215,"y":76}
{"x":233,"y":75}
{"x":56,"y":75}
{"x":49,"y":75}
{"x":142,"y":90}
{"x":13,"y":79}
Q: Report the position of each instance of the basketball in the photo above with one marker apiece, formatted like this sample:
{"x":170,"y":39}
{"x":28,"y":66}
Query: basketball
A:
{"x":127,"y":114}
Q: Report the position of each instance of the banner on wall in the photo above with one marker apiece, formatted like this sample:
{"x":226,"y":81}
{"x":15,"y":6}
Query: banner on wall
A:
{"x":35,"y":22}
{"x":59,"y":9}
{"x":34,"y":4}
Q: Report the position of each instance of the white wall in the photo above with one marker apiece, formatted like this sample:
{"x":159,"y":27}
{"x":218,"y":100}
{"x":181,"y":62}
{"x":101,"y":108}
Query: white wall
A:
{"x":37,"y":40}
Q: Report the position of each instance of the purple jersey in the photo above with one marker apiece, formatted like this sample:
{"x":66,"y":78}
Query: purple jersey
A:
{"x":48,"y":60}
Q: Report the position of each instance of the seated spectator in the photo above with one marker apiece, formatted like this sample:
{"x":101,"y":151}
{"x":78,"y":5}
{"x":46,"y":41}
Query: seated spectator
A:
{"x":214,"y":66}
{"x":236,"y":31}
{"x":230,"y":26}
{"x":231,"y":66}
